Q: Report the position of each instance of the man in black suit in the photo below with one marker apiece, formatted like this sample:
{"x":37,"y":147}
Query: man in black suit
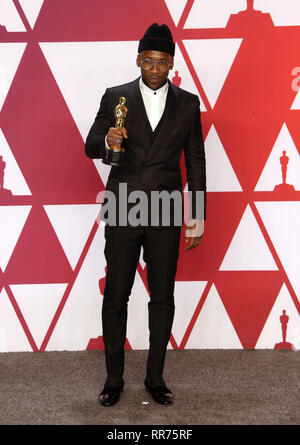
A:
{"x":161,"y":120}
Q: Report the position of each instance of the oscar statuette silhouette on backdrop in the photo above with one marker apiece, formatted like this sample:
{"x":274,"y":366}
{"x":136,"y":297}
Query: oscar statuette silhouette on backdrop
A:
{"x":250,"y":20}
{"x":176,"y":79}
{"x":284,"y":187}
{"x":4,"y":193}
{"x":284,"y":319}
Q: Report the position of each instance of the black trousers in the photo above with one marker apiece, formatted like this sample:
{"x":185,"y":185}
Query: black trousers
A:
{"x":122,"y":253}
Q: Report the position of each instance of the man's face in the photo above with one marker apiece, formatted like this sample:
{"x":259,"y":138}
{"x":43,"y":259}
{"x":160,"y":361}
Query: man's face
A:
{"x":156,"y":76}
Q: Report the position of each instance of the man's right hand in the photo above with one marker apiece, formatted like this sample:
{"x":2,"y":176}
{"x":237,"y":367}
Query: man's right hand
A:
{"x":115,"y":136}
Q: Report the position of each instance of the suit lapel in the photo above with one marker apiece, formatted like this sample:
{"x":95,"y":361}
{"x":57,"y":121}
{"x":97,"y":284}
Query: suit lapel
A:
{"x":140,"y":115}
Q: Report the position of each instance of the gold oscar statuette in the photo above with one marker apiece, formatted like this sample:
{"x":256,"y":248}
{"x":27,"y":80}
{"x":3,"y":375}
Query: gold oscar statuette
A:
{"x":115,"y":153}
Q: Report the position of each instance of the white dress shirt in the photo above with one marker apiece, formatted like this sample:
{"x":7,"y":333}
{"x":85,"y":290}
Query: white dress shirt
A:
{"x":155,"y":101}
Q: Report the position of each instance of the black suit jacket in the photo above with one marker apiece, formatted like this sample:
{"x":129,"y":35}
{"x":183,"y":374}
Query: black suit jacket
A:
{"x":152,"y":158}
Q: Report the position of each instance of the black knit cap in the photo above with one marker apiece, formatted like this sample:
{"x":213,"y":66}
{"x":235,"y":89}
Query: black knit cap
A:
{"x":158,"y":38}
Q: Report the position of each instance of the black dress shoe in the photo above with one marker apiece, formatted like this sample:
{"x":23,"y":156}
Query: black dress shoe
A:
{"x":160,"y":394}
{"x":110,"y":396}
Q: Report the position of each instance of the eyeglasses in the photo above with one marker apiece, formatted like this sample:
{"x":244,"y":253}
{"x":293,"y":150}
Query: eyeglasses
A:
{"x":148,"y":64}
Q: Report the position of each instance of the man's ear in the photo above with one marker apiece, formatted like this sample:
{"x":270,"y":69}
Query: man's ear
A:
{"x":172,"y":63}
{"x":138,"y":61}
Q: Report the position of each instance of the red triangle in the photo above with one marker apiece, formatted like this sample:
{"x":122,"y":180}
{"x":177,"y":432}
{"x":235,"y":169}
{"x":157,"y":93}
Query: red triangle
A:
{"x":54,"y":163}
{"x":102,"y":282}
{"x":38,"y":256}
{"x":98,"y":344}
{"x":248,"y":298}
{"x":253,"y":105}
{"x":94,"y":20}
{"x":223,"y":214}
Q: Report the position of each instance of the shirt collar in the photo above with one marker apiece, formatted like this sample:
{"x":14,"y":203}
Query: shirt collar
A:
{"x":145,"y":89}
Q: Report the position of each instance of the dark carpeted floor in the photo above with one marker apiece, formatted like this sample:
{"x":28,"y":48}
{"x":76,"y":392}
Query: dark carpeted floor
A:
{"x":211,"y":387}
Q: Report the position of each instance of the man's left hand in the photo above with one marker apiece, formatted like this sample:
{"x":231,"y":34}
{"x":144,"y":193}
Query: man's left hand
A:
{"x":193,"y":233}
{"x":192,"y":241}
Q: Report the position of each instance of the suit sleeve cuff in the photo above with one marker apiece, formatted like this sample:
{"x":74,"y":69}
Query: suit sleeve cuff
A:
{"x":106,"y":144}
{"x":194,"y":227}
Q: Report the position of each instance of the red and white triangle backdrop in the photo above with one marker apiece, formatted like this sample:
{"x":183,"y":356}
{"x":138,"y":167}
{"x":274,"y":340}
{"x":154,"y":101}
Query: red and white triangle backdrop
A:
{"x":56,"y":59}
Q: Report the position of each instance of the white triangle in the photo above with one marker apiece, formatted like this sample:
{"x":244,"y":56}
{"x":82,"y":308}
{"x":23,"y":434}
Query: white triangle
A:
{"x":80,"y":319}
{"x":272,"y":333}
{"x":248,"y":249}
{"x":12,"y":221}
{"x":13,"y":178}
{"x":38,"y":304}
{"x":10,"y":56}
{"x":220,"y":174}
{"x":83,"y":71}
{"x":12,"y":335}
{"x":271,"y":174}
{"x":10,"y":18}
{"x":212,"y":60}
{"x":137,"y":320}
{"x":213,"y":328}
{"x":187,"y":295}
{"x":102,"y":169}
{"x":31,"y":9}
{"x":176,"y":8}
{"x":187,"y":82}
{"x":141,"y":260}
{"x":73,"y":224}
{"x":213,"y":13}
{"x":282,"y":221}
{"x":283,"y":13}
{"x":296,"y":103}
